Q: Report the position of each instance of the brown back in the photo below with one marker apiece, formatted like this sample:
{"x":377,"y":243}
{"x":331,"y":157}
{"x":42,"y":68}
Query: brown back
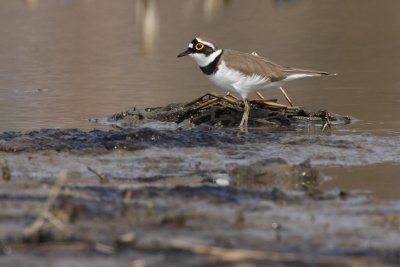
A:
{"x":251,"y":64}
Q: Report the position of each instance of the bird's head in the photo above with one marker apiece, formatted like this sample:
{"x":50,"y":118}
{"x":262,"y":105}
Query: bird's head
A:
{"x":201,"y":50}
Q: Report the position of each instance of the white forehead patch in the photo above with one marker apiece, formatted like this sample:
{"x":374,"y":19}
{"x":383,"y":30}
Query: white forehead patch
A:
{"x":190,"y":45}
{"x":206,"y":43}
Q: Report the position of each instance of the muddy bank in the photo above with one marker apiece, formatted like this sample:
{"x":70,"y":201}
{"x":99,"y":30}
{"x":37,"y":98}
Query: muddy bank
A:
{"x":194,"y":197}
{"x":260,"y":223}
{"x":147,"y":152}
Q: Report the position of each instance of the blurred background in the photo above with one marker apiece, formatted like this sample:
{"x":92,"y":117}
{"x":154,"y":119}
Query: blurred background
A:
{"x":67,"y":60}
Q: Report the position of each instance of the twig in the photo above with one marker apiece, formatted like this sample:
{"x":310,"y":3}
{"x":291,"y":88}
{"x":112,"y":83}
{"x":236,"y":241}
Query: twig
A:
{"x":260,"y":95}
{"x":326,"y":124}
{"x":233,"y":96}
{"x":263,"y":98}
{"x":103,"y":248}
{"x":196,"y":100}
{"x":200,"y":98}
{"x":213,"y":94}
{"x":5,"y":168}
{"x":209,"y":102}
{"x":45,"y":214}
{"x":270,"y":104}
{"x":103,"y":179}
{"x":235,"y":255}
{"x":233,"y":102}
{"x":55,"y":221}
{"x":286,"y":96}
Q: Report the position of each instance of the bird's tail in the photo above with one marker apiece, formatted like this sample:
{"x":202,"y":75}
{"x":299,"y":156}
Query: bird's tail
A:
{"x":293,"y":74}
{"x":295,"y":71}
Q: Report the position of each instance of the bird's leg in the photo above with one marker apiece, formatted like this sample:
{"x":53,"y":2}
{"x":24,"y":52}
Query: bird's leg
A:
{"x":245,"y":118}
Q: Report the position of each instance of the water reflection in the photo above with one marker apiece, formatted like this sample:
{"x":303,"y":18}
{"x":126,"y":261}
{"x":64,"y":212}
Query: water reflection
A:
{"x":147,"y":17}
{"x":32,"y":4}
{"x":101,"y":48}
{"x":212,"y":7}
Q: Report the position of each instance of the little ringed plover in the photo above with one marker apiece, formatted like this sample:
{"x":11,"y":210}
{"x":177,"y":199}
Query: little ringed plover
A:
{"x":240,"y":72}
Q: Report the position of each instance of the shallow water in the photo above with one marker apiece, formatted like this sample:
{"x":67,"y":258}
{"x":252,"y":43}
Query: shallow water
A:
{"x":62,"y":62}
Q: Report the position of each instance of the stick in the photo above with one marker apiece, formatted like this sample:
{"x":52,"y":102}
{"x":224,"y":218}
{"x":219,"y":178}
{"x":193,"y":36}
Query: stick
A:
{"x":233,"y":102}
{"x":269,"y":103}
{"x":45,"y":214}
{"x":5,"y":168}
{"x":235,"y":255}
{"x":327,"y":124}
{"x":286,"y":96}
{"x":260,"y":95}
{"x":263,"y":98}
{"x":200,"y":98}
{"x":206,"y":104}
{"x":103,"y":179}
{"x":233,"y":96}
{"x":103,"y":248}
{"x":196,"y":100}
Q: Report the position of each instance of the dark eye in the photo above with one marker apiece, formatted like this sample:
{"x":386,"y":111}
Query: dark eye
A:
{"x":199,"y":46}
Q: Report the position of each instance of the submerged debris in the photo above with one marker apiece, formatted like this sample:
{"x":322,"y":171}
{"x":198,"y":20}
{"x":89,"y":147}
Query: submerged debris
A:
{"x":227,"y":110}
{"x":5,"y":169}
{"x":277,"y":172}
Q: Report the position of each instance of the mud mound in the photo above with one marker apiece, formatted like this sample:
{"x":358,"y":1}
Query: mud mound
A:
{"x":227,"y":111}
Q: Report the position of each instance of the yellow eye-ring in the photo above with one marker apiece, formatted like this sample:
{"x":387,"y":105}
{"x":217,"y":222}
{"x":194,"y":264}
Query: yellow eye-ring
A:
{"x":199,"y":46}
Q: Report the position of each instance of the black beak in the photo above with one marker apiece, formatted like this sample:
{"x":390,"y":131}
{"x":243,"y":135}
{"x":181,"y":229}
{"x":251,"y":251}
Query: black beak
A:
{"x":184,"y":53}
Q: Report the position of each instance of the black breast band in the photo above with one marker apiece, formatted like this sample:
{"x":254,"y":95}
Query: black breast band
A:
{"x":213,"y":66}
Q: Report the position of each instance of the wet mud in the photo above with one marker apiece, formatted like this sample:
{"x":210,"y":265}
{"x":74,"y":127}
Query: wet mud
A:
{"x":125,"y":224}
{"x":191,"y":196}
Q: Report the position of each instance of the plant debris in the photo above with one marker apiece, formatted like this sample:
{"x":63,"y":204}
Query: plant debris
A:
{"x":227,"y":110}
{"x":5,"y":168}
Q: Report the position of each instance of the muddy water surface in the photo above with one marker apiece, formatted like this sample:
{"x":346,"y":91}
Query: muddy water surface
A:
{"x":64,"y":61}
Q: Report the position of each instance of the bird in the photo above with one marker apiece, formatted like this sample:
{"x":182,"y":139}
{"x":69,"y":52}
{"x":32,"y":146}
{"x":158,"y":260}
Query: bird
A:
{"x":240,"y":72}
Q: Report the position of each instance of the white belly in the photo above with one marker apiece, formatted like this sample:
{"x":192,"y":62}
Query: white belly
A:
{"x":237,"y":82}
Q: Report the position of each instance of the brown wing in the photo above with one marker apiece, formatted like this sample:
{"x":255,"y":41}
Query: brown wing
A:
{"x":250,"y":64}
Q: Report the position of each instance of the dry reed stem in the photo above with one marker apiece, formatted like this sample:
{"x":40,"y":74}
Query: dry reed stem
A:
{"x":103,"y":179}
{"x":327,"y":124}
{"x":103,"y":248}
{"x":230,"y":101}
{"x":5,"y":168}
{"x":45,"y":215}
{"x":286,"y":96}
{"x":235,"y":255}
{"x":269,"y":103}
{"x":199,"y":99}
{"x":260,"y":95}
{"x":204,"y":105}
{"x":233,"y":96}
